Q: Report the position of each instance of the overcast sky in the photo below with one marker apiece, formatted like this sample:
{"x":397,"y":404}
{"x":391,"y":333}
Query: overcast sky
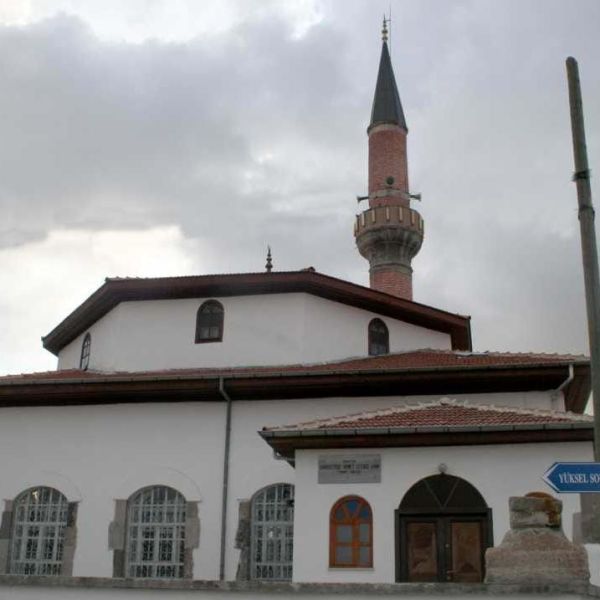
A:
{"x":156,"y":138}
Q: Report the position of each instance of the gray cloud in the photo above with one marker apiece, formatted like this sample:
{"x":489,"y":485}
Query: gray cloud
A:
{"x":257,"y":136}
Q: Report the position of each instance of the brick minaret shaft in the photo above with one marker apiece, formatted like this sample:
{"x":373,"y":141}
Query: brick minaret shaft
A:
{"x":389,"y":233}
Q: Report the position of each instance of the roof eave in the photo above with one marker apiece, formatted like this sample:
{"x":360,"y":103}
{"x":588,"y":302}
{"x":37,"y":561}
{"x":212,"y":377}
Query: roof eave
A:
{"x":293,"y":385}
{"x":286,"y":445}
{"x":114,"y":291}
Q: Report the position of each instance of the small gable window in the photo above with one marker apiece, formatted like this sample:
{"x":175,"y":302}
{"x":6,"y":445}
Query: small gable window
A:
{"x":86,"y":348}
{"x":379,"y":338}
{"x":209,"y":322}
{"x":351,"y":533}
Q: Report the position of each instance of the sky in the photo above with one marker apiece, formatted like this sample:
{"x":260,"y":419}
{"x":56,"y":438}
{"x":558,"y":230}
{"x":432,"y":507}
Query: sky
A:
{"x":156,"y":138}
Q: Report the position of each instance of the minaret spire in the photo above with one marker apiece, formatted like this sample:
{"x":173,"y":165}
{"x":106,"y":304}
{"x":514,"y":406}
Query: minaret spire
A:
{"x":389,"y":233}
{"x":387,"y":107}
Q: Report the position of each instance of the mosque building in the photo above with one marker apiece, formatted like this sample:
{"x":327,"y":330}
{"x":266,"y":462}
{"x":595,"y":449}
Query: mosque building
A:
{"x":282,"y":426}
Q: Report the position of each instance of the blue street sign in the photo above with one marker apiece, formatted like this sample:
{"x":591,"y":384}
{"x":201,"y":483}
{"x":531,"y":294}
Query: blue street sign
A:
{"x":574,"y":477}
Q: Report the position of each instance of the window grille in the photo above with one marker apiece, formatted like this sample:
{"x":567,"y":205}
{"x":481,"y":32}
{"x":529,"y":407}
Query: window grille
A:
{"x":379,"y":338}
{"x":272,"y":533}
{"x":156,"y":534}
{"x":209,"y":322}
{"x":351,"y":533}
{"x":39,"y":520}
{"x":86,"y":348}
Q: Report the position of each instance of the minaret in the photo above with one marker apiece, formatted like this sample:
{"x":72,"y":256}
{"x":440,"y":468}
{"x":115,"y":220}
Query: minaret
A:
{"x":389,"y":233}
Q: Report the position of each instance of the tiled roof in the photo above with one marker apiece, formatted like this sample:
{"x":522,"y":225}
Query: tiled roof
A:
{"x":414,"y":360}
{"x":441,"y":413}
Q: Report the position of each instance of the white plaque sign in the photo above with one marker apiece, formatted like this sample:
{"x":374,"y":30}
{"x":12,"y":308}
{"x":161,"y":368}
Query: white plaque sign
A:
{"x":350,"y":468}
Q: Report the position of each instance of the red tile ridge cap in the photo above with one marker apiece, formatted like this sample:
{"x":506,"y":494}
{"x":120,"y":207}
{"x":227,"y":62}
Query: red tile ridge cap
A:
{"x":419,"y":406}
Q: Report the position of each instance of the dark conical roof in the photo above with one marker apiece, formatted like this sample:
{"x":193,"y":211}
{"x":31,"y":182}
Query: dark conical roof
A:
{"x":387,"y":107}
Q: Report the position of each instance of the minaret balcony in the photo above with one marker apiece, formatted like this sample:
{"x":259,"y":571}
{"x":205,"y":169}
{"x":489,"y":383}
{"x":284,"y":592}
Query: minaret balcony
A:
{"x":388,"y":216}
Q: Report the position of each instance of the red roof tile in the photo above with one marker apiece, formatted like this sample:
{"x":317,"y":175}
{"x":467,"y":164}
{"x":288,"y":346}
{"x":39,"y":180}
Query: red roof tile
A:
{"x":442,"y":413}
{"x":414,"y":360}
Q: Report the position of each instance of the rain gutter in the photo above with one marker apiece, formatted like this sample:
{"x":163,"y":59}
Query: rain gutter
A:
{"x":583,"y":424}
{"x":225,"y":488}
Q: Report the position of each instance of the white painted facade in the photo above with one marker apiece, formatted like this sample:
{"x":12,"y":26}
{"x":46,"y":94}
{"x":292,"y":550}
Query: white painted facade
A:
{"x":269,"y":329}
{"x":497,"y":471}
{"x":97,"y":454}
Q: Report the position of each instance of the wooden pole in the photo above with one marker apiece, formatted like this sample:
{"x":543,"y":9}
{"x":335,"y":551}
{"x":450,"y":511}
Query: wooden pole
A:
{"x":588,"y":239}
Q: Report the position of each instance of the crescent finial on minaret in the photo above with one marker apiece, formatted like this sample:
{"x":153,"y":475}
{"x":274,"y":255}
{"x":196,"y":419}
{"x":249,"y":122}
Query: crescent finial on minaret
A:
{"x":269,"y":265}
{"x":384,"y":31}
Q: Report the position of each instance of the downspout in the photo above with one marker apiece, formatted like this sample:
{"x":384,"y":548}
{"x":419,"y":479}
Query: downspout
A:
{"x":225,"y":488}
{"x":563,"y":385}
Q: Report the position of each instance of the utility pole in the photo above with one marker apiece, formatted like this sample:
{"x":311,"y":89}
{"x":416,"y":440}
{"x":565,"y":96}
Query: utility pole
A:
{"x":590,"y":503}
{"x":589,"y":251}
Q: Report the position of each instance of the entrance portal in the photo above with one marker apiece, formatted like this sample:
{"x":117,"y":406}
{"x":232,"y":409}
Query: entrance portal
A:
{"x":443,"y":527}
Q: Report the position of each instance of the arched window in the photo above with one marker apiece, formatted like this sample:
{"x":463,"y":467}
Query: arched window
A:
{"x":272,"y":533}
{"x":86,"y":348}
{"x":40,"y":518}
{"x":379,"y":338}
{"x":351,"y":533}
{"x":209,"y":322}
{"x":155,"y":546}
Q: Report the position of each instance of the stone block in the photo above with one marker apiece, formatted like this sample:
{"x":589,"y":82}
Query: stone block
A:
{"x":534,"y":512}
{"x":535,"y":551}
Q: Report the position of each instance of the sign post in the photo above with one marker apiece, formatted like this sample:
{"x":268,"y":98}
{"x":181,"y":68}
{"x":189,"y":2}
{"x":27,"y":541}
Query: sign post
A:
{"x":574,"y":477}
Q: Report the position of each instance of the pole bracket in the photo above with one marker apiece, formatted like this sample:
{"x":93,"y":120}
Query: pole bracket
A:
{"x":579,"y":175}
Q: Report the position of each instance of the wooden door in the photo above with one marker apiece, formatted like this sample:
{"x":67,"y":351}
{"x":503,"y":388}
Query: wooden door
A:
{"x":421,"y":551}
{"x":464,"y":550}
{"x":442,"y":548}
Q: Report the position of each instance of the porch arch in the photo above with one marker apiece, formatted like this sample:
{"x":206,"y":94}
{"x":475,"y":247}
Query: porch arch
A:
{"x":443,"y":527}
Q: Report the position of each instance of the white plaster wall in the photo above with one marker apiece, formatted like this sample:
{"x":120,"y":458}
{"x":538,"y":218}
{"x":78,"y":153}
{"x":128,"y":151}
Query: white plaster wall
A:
{"x":593,"y":552}
{"x":333,"y":330}
{"x":96,"y":454}
{"x":105,"y":334}
{"x":271,"y":329}
{"x":497,"y":471}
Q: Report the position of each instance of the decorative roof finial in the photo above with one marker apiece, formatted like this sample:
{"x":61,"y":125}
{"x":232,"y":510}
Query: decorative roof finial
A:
{"x":269,"y":265}
{"x":384,"y":31}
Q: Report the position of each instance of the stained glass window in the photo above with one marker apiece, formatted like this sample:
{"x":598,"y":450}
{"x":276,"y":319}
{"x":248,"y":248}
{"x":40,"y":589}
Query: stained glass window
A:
{"x":351,"y":533}
{"x":209,"y":322}
{"x":272,"y":533}
{"x":37,"y":542}
{"x":156,"y":534}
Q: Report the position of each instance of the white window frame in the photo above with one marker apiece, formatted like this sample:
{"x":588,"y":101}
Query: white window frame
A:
{"x":39,"y":523}
{"x":156,"y":523}
{"x":272,"y":533}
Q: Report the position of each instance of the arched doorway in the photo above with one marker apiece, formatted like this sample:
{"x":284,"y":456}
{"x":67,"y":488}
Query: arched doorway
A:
{"x":443,"y":527}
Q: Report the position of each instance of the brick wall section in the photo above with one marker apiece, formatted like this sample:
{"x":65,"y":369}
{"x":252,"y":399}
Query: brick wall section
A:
{"x":387,"y":157}
{"x":392,"y":282}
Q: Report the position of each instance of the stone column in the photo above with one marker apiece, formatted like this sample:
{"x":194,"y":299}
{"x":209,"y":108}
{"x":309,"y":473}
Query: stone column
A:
{"x":535,"y":551}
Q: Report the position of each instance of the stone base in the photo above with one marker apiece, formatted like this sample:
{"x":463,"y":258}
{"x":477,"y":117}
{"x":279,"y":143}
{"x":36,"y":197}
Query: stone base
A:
{"x":536,"y":555}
